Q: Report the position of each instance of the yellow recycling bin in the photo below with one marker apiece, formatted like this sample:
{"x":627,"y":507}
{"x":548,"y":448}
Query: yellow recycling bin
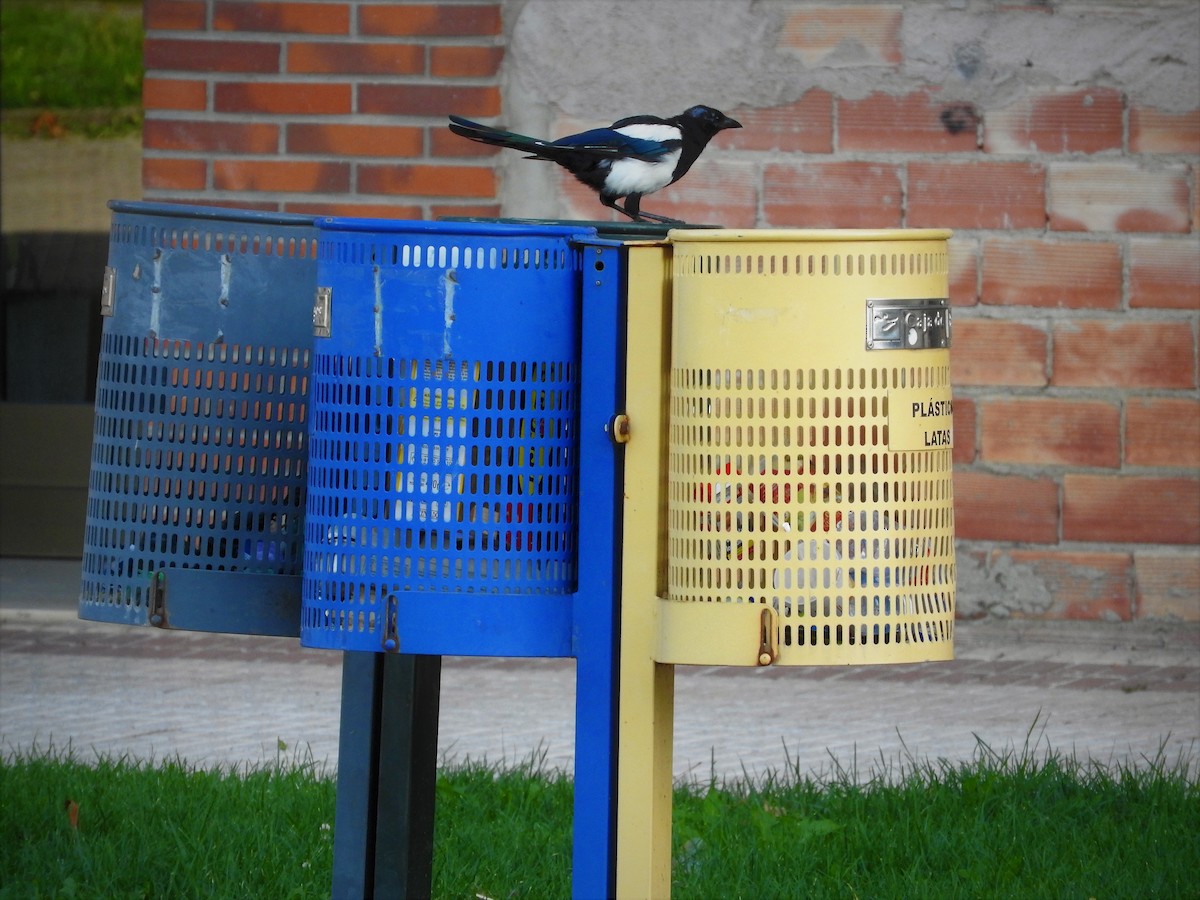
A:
{"x":787,"y":490}
{"x":810,"y":516}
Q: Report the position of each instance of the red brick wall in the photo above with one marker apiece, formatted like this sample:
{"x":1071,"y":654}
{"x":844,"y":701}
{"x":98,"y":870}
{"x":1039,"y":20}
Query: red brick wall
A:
{"x":320,"y":107}
{"x":1076,"y":283}
{"x":1075,"y":262}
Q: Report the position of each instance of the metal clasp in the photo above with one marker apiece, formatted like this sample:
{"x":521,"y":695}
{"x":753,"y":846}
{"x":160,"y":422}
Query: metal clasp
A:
{"x":391,"y":632}
{"x":157,"y":602}
{"x":768,"y":637}
{"x":322,"y":312}
{"x":108,"y":292}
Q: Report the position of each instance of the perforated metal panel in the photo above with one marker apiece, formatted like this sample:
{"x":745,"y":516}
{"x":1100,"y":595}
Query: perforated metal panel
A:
{"x":810,"y":439}
{"x":444,"y":443}
{"x":196,"y":495}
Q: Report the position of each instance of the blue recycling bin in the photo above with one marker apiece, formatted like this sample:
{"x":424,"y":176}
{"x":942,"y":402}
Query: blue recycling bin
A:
{"x":196,"y":494}
{"x":441,"y":512}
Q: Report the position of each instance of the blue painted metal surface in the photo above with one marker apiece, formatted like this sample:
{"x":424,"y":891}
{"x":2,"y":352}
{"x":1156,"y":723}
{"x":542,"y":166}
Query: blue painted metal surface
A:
{"x":443,"y":464}
{"x":460,"y":456}
{"x":596,"y":602}
{"x":196,"y":493}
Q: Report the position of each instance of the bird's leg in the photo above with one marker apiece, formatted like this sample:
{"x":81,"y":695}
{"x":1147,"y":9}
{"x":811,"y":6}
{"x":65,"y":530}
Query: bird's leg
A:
{"x":633,"y":209}
{"x":611,"y":203}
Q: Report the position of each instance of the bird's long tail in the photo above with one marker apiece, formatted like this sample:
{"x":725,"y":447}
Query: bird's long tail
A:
{"x":485,"y":134}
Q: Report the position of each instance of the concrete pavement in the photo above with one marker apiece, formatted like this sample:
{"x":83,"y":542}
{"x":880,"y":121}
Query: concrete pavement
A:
{"x":1110,"y":693}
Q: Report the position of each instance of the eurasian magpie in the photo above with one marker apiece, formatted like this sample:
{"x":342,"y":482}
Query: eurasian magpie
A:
{"x":633,"y":157}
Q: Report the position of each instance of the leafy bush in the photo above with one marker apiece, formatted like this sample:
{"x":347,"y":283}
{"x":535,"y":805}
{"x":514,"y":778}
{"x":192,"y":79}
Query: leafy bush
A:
{"x":71,"y":56}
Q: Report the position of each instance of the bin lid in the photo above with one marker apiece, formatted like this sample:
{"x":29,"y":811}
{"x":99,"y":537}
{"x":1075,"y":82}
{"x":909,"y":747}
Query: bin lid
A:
{"x":627,"y":230}
{"x":466,"y":227}
{"x":215,"y":213}
{"x":809,"y":235}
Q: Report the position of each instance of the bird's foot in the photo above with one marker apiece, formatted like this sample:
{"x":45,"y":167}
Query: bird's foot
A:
{"x":665,"y":220}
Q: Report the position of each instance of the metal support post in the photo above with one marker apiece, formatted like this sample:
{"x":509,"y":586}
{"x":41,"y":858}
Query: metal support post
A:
{"x":595,"y":600}
{"x":647,"y":688}
{"x":387,"y":774}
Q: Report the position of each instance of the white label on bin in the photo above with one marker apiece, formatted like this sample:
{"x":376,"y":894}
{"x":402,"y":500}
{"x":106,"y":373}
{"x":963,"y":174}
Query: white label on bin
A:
{"x":920,"y":419}
{"x":908,"y":324}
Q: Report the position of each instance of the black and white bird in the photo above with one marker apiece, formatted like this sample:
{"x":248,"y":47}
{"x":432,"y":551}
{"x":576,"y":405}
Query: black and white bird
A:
{"x":631,"y":158}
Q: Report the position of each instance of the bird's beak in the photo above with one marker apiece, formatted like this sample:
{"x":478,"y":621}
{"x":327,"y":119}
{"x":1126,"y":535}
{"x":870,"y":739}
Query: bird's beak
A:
{"x":730,"y":123}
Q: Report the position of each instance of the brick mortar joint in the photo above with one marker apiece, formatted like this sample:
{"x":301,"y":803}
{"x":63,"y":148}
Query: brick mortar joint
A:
{"x":1038,"y":316}
{"x":1132,"y":551}
{"x":1058,"y":472}
{"x":1068,"y":394}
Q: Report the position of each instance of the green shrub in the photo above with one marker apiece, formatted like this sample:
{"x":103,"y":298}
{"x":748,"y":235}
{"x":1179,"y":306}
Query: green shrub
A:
{"x":64,"y":57}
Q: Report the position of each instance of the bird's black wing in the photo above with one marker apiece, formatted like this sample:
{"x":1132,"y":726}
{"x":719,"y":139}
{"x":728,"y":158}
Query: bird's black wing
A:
{"x":640,"y":120}
{"x":611,"y":143}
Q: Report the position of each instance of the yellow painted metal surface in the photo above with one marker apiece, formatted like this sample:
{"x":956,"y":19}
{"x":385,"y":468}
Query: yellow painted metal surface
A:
{"x":647,"y":687}
{"x":725,"y":634}
{"x":810,"y":440}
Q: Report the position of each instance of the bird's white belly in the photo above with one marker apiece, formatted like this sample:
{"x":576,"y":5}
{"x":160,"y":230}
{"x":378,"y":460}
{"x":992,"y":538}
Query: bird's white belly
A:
{"x":637,"y":176}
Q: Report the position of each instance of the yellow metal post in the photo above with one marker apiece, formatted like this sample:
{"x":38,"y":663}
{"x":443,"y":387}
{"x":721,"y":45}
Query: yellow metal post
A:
{"x":647,"y":688}
{"x":788,"y":493}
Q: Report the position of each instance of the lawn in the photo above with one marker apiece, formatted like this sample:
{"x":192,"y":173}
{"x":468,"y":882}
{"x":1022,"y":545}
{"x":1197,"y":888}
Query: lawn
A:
{"x":1003,"y":825}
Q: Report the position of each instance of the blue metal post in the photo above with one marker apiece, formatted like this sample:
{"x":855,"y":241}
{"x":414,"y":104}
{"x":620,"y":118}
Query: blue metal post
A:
{"x":595,"y":602}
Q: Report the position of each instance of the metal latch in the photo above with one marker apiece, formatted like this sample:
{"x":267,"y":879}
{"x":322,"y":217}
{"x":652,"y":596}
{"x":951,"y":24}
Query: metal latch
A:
{"x":768,"y":637}
{"x":322,"y":312}
{"x":108,"y":292}
{"x":391,"y":632}
{"x":157,"y":602}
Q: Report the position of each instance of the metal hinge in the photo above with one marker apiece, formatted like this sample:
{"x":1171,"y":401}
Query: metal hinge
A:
{"x":322,"y":312}
{"x":108,"y":292}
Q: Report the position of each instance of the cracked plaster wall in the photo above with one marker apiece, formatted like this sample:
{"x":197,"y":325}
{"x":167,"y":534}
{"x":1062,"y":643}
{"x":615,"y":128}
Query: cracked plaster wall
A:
{"x":599,"y":60}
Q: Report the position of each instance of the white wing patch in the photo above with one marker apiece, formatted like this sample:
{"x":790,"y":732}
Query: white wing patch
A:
{"x":637,"y":176}
{"x":652,"y":132}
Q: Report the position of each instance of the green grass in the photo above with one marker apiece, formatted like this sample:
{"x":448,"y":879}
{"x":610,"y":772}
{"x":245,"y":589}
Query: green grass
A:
{"x":70,"y":67}
{"x":1003,"y":825}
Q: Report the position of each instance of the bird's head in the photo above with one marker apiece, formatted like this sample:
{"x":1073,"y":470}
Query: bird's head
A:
{"x":708,"y":120}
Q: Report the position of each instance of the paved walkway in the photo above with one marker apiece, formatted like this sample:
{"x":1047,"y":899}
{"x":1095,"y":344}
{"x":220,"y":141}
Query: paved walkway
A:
{"x":1113,"y":693}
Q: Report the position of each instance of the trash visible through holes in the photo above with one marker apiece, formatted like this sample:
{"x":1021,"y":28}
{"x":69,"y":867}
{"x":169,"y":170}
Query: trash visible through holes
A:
{"x":750,"y":521}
